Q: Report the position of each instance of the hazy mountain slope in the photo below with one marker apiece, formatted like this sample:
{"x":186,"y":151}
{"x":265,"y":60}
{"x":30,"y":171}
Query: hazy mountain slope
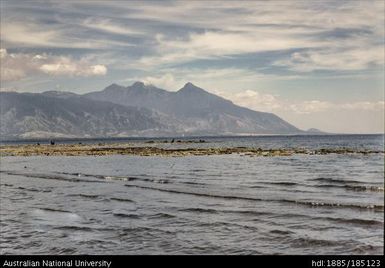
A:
{"x":200,"y":111}
{"x":138,"y":94}
{"x":26,"y":115}
{"x":111,"y":112}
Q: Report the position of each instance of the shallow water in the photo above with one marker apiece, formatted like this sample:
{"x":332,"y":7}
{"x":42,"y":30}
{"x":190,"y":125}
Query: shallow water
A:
{"x":219,"y":204}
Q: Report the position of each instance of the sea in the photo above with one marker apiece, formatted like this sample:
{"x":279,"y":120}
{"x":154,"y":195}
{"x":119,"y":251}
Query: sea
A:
{"x":215,"y":204}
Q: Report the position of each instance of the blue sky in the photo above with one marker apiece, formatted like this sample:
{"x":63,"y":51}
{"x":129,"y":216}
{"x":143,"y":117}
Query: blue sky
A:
{"x":314,"y":63}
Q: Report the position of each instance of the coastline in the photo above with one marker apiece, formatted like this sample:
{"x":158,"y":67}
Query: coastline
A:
{"x":101,"y":149}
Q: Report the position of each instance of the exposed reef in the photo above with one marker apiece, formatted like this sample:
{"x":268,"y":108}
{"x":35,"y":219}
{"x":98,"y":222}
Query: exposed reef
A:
{"x":129,"y":149}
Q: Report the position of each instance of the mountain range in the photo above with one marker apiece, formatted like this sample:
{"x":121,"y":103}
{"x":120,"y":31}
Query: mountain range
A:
{"x":136,"y":110}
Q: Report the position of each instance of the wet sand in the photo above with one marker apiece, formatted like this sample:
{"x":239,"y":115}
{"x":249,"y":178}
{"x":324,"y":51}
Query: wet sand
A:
{"x":131,"y":149}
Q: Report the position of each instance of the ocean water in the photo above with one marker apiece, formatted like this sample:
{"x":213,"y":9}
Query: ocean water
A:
{"x":217,"y":204}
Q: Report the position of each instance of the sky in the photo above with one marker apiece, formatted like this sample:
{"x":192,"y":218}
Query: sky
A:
{"x":316,"y":64}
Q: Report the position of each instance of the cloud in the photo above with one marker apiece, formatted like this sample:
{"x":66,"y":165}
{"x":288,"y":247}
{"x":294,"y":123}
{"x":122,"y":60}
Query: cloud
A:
{"x":334,"y":117}
{"x":164,"y":81}
{"x":313,"y":106}
{"x":32,"y":34}
{"x":333,"y":49}
{"x":209,"y":45}
{"x":274,"y":103}
{"x":343,"y":58}
{"x":183,"y":32}
{"x":106,"y":25}
{"x":342,"y":37}
{"x":66,"y":67}
{"x":8,"y":89}
{"x":27,"y":35}
{"x":365,"y":106}
{"x":3,"y":53}
{"x":254,"y":100}
{"x":214,"y":79}
{"x":15,"y":66}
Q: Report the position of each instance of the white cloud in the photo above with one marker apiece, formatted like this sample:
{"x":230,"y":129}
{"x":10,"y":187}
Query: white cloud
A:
{"x":15,"y":66}
{"x":313,"y":106}
{"x":342,"y":37}
{"x":355,"y":53}
{"x":164,"y":81}
{"x":273,"y":103}
{"x":243,"y":16}
{"x":347,"y":58}
{"x":70,"y":68}
{"x":3,"y":53}
{"x":31,"y":34}
{"x":254,"y":100}
{"x":215,"y":29}
{"x":27,"y":35}
{"x":365,"y":106}
{"x":214,"y":79}
{"x":8,"y":89}
{"x":219,"y":44}
{"x":348,"y":117}
{"x":106,"y":25}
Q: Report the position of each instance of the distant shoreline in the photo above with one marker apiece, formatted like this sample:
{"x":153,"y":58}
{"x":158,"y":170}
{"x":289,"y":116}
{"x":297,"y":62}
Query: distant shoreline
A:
{"x":103,"y":149}
{"x":143,"y":138}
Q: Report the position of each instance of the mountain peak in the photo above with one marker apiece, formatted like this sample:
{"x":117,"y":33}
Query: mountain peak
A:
{"x":189,"y":84}
{"x":138,"y":84}
{"x":113,"y":87}
{"x":190,"y":87}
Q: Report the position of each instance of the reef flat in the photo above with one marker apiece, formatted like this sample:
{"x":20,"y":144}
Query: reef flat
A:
{"x":131,"y":149}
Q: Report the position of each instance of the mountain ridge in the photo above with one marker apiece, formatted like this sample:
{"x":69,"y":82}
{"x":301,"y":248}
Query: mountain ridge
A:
{"x":139,"y":109}
{"x":199,"y":109}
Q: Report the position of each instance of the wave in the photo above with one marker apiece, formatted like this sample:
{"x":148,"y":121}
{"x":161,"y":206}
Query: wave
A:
{"x":122,"y":199}
{"x":126,"y":215}
{"x":337,"y":181}
{"x":284,"y":183}
{"x":6,"y":184}
{"x":355,"y":221}
{"x":87,"y":196}
{"x":199,"y":210}
{"x":214,"y":211}
{"x":82,"y":228}
{"x":230,"y":225}
{"x":193,"y":183}
{"x":255,"y":186}
{"x":281,"y":232}
{"x":163,"y":215}
{"x":110,"y":178}
{"x":298,"y":202}
{"x":365,"y":248}
{"x":365,"y":188}
{"x":335,"y":205}
{"x":54,"y":210}
{"x":49,"y":177}
{"x":122,"y":178}
{"x":34,"y":189}
{"x":356,"y":188}
{"x":75,"y":228}
{"x":139,"y":229}
{"x":77,"y":174}
{"x":194,"y":193}
{"x":72,"y":174}
{"x":312,"y":242}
